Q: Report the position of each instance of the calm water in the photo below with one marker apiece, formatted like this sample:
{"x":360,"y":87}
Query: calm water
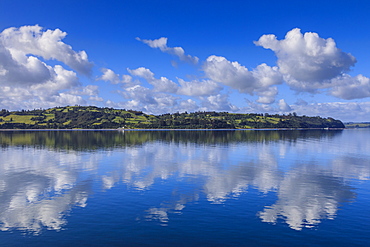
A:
{"x":185,"y":188}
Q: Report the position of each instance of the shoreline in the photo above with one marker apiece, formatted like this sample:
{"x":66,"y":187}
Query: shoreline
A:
{"x":169,"y":129}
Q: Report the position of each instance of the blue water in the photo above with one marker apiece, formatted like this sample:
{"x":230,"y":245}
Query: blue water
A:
{"x":185,"y":188}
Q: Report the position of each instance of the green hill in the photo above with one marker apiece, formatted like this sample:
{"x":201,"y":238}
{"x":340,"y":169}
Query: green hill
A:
{"x":91,"y":117}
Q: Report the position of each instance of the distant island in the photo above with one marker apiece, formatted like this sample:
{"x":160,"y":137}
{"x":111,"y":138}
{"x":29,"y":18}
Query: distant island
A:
{"x":356,"y":125}
{"x":92,"y":117}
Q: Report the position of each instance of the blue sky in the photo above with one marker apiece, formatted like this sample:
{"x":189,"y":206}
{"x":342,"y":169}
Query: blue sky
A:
{"x":308,"y":57}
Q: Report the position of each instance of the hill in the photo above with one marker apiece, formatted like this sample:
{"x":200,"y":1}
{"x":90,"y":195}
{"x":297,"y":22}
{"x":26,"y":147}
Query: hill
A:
{"x":92,"y":117}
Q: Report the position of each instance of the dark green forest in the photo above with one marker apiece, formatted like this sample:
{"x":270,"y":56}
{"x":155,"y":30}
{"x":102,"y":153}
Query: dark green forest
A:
{"x":92,"y":117}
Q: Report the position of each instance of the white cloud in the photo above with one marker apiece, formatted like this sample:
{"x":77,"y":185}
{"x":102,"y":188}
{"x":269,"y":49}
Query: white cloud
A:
{"x":161,"y":43}
{"x":165,"y":85}
{"x":47,"y":44}
{"x":142,"y":72}
{"x":59,"y":91}
{"x":238,"y":77}
{"x":160,"y":85}
{"x":347,"y":87}
{"x":312,"y":64}
{"x":126,"y":79}
{"x":257,"y":108}
{"x":109,"y":76}
{"x":189,"y":88}
{"x":26,"y":72}
{"x":218,"y":102}
{"x":198,"y":88}
{"x":140,"y":94}
{"x":267,"y":96}
{"x":26,"y":80}
{"x":307,"y":61}
{"x":67,"y":99}
{"x":283,"y":106}
{"x":166,"y":95}
{"x":266,"y":76}
{"x":188,"y":105}
{"x":147,"y":100}
{"x":63,"y":79}
{"x":90,"y":90}
{"x":229,"y":73}
{"x":113,"y":78}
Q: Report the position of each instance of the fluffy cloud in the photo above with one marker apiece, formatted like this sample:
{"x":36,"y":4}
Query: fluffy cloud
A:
{"x":347,"y":87}
{"x":312,"y":64}
{"x":27,"y":71}
{"x":218,"y":102}
{"x":198,"y":88}
{"x":160,"y":85}
{"x":267,"y":96}
{"x":109,"y":75}
{"x":283,"y":106}
{"x":113,"y":78}
{"x":188,"y":105}
{"x":26,"y":81}
{"x":42,"y":95}
{"x":161,"y":44}
{"x":47,"y":44}
{"x":168,"y":96}
{"x":306,"y":59}
{"x":238,"y":77}
{"x":189,"y":88}
{"x":258,"y":108}
{"x":63,"y":79}
{"x":147,"y":100}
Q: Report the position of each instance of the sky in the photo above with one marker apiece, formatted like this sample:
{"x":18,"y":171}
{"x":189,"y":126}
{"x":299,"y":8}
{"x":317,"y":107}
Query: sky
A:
{"x":162,"y":56}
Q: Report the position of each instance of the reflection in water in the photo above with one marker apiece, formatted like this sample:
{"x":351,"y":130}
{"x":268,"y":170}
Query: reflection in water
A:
{"x":306,"y":195}
{"x":37,"y":189}
{"x":43,"y":175}
{"x":93,"y":140}
{"x":351,"y":167}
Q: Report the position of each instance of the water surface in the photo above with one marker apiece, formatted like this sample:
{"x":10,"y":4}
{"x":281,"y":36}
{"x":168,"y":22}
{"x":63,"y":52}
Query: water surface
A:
{"x":185,"y":188}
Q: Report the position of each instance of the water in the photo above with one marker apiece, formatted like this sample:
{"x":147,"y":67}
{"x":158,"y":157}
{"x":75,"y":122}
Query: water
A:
{"x":185,"y":188}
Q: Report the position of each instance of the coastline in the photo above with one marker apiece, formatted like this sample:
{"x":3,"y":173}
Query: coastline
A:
{"x":119,"y":129}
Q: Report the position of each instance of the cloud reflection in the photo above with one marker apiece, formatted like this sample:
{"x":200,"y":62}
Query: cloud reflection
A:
{"x":39,"y":185}
{"x":307,"y":195}
{"x":38,"y":188}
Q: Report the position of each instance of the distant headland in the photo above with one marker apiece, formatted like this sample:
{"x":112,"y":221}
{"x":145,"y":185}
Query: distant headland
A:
{"x":92,"y":117}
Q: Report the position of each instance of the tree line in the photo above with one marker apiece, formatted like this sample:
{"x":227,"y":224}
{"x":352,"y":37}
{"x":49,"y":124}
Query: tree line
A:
{"x":92,"y":117}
